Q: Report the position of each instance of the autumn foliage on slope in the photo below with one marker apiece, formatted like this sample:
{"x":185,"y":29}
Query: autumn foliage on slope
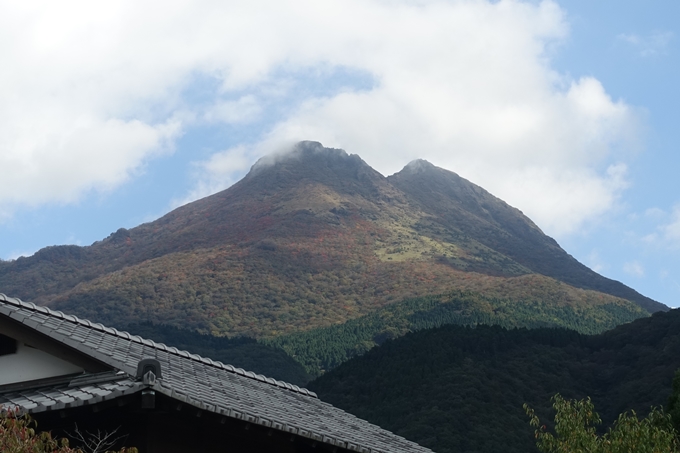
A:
{"x":308,"y":239}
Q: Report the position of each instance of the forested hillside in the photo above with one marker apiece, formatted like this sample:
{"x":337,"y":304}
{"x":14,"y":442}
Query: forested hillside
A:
{"x":323,"y":349}
{"x":461,"y":389}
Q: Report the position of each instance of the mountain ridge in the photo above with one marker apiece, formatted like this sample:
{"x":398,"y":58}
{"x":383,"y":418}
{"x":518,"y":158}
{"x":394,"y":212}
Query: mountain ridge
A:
{"x":310,"y":238}
{"x":551,"y":260}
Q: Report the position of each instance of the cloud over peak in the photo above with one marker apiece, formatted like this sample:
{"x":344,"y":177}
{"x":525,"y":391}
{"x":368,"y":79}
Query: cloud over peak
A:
{"x":466,"y":84}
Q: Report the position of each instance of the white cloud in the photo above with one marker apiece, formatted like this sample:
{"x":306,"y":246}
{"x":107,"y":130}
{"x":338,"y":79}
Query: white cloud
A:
{"x":96,"y":90}
{"x":14,"y":255}
{"x":222,"y":170}
{"x":667,"y":233}
{"x":506,"y":121}
{"x":594,"y":261}
{"x":656,"y":43}
{"x":243,"y":110}
{"x":61,"y":159}
{"x":654,"y":213}
{"x":634,"y":269}
{"x":670,"y":231}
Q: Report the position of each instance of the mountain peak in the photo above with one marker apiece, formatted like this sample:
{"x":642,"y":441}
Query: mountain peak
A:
{"x":300,"y":152}
{"x":418,"y":166}
{"x":310,"y":162}
{"x":310,"y":237}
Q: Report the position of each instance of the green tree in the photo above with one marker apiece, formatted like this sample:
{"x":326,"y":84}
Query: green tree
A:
{"x":674,"y":402}
{"x":575,"y":431}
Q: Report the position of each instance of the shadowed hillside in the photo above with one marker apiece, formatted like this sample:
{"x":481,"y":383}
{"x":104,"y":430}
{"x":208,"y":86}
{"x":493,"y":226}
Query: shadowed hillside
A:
{"x":459,"y":389}
{"x":509,"y":305}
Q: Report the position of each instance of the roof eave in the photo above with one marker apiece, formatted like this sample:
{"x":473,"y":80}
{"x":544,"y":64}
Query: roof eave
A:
{"x":31,"y":336}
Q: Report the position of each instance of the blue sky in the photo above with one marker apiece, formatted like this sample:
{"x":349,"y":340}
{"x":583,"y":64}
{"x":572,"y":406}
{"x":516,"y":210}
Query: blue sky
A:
{"x":112,"y":115}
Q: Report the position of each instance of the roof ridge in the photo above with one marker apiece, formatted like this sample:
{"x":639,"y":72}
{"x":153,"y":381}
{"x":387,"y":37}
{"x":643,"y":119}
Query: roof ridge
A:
{"x":160,"y":346}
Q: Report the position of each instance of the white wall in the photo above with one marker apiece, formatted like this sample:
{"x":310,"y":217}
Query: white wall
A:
{"x":29,"y":363}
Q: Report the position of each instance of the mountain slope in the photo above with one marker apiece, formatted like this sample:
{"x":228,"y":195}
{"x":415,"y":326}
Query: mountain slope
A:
{"x":322,"y":349}
{"x":457,"y":389}
{"x":460,"y":209}
{"x":308,"y":239}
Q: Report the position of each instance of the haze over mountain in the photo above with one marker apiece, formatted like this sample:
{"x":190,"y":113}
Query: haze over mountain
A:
{"x":311,"y":238}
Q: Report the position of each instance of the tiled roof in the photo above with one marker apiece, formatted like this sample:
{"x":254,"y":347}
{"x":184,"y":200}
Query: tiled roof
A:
{"x":69,"y":394}
{"x":194,"y":380}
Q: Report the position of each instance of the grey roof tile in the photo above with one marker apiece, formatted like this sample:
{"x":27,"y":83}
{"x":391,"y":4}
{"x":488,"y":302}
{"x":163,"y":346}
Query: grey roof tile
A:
{"x":195,"y":380}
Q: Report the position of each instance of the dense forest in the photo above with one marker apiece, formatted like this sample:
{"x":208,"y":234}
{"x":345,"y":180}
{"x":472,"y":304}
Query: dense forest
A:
{"x":320,"y":350}
{"x":461,"y":389}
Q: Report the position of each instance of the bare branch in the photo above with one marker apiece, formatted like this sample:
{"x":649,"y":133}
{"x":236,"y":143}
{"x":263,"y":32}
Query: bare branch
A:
{"x":99,"y":442}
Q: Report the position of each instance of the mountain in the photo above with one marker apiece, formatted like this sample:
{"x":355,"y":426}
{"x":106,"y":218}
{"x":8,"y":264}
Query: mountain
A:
{"x":322,"y":349}
{"x":309,"y":239}
{"x":460,"y":210}
{"x":461,"y":389}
